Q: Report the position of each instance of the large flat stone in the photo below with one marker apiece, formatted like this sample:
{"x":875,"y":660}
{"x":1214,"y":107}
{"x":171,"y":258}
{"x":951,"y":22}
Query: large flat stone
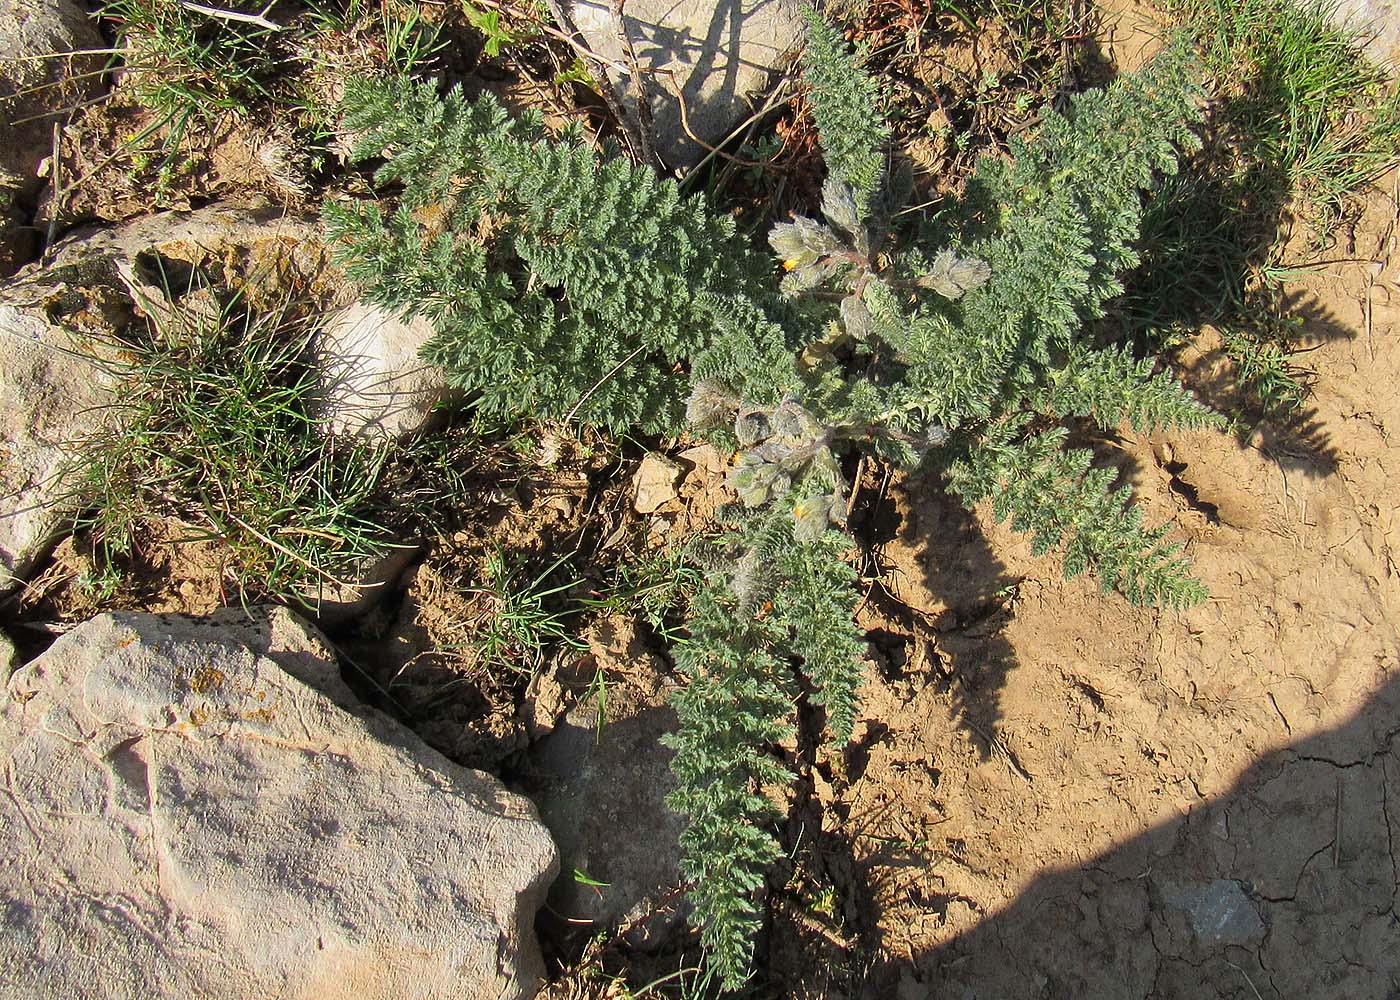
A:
{"x":196,"y":808}
{"x":1377,"y":25}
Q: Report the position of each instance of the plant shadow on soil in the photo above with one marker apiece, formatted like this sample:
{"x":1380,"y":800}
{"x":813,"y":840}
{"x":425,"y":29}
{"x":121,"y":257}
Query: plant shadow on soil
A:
{"x":1207,"y":233}
{"x":1285,"y":885}
{"x":939,"y":618}
{"x":1211,"y":236}
{"x":952,"y":637}
{"x":1294,"y":438}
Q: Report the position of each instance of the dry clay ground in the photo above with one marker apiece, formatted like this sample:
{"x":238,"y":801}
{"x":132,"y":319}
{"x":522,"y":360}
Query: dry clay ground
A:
{"x":1055,"y":794}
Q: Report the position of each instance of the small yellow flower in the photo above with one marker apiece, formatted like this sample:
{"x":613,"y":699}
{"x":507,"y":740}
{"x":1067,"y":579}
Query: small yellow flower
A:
{"x":790,"y":264}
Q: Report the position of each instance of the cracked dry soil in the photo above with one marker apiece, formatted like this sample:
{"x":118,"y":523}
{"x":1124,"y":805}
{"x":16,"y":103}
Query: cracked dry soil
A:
{"x":1055,"y":794}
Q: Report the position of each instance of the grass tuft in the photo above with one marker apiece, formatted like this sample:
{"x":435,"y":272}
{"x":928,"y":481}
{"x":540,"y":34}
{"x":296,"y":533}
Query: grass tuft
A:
{"x":520,"y":619}
{"x":214,"y":426}
{"x":1300,"y":122}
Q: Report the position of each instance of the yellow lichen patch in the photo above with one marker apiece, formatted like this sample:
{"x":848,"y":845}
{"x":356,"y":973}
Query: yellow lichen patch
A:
{"x":207,"y":680}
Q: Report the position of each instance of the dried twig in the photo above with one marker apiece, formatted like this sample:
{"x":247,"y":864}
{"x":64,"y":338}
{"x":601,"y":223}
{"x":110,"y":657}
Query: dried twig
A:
{"x":1246,"y":978}
{"x":769,"y":105}
{"x":645,"y":124}
{"x":260,"y":18}
{"x":62,"y":55}
{"x":598,"y":384}
{"x":61,"y":111}
{"x":598,"y":67}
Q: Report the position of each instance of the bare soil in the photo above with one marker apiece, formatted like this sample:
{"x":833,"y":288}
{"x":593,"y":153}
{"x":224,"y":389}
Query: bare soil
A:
{"x":1048,"y":784}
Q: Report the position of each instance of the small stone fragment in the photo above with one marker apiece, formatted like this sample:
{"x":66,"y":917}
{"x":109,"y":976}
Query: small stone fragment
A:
{"x":655,"y":482}
{"x":706,"y":458}
{"x":1219,"y":912}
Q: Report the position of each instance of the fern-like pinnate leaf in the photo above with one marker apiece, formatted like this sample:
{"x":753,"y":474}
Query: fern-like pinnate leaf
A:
{"x":737,"y":702}
{"x":814,"y":603}
{"x":771,"y":603}
{"x":1056,"y":496}
{"x":845,"y":106}
{"x":1056,"y":222}
{"x":1111,"y":386}
{"x":558,"y":283}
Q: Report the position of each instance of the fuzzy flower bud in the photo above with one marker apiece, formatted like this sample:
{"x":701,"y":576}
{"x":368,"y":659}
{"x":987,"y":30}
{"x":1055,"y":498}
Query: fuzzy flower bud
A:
{"x":751,"y":428}
{"x":755,"y":480}
{"x":839,"y":206}
{"x":802,"y":242}
{"x":813,"y":516}
{"x":790,"y":420}
{"x":709,"y":405}
{"x":951,"y":275}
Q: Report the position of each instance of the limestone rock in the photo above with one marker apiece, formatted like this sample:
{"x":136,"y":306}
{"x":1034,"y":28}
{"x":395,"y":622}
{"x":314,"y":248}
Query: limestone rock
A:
{"x":51,"y":393}
{"x":706,"y":460}
{"x":32,"y":83}
{"x":714,"y":52}
{"x":376,"y":384}
{"x":334,"y":606}
{"x":1219,"y":912}
{"x":196,"y":809}
{"x":1376,"y":24}
{"x":163,"y":261}
{"x":655,"y":482}
{"x":605,"y":806}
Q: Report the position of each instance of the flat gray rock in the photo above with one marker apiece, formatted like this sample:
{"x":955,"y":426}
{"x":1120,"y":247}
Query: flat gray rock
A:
{"x":602,"y":793}
{"x":716,"y":53}
{"x":196,"y":809}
